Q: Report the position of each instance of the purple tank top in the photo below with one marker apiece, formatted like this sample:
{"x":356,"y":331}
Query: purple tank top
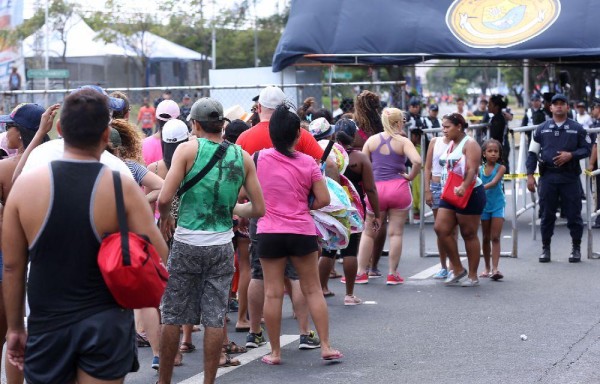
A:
{"x":390,"y":166}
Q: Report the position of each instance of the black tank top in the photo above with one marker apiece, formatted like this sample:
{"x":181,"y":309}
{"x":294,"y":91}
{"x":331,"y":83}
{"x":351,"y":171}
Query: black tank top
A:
{"x":65,"y":284}
{"x":355,"y":178}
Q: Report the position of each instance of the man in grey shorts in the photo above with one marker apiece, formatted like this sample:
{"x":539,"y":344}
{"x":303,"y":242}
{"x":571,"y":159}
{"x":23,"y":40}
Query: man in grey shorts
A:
{"x":201,"y":259}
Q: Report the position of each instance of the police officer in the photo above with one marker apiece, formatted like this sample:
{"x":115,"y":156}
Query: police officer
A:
{"x":534,"y":115}
{"x":414,"y":120}
{"x":558,"y":145}
{"x":432,"y":120}
{"x":594,"y":156}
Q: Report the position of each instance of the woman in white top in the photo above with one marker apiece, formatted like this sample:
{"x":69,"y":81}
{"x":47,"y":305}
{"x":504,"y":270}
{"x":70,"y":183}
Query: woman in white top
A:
{"x":464,"y":158}
{"x":433,"y":189}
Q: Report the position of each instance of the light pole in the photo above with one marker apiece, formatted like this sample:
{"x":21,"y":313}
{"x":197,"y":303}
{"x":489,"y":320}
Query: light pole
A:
{"x":46,"y":53}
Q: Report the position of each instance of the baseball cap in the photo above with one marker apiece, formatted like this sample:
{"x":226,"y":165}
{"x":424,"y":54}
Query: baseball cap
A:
{"x":414,"y":101}
{"x":596,"y":102}
{"x":186,"y":96}
{"x":347,"y":126}
{"x":320,"y":128}
{"x":255,"y":98}
{"x":174,"y":131}
{"x":114,"y":103}
{"x":271,"y":97}
{"x":434,"y":107}
{"x":167,"y":110}
{"x":25,"y":115}
{"x":115,"y":138}
{"x":536,"y":97}
{"x":207,"y":109}
{"x":581,"y":104}
{"x":559,"y":97}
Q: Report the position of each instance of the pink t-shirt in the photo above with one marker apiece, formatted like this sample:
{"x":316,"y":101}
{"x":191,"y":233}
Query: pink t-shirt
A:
{"x":151,"y":150}
{"x":286,"y":184}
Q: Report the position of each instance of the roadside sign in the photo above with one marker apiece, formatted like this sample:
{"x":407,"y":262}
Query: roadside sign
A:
{"x":49,"y":73}
{"x":342,"y":76}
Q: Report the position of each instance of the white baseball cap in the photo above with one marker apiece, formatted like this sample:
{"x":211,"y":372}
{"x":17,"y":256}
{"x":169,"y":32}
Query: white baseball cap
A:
{"x":174,"y":131}
{"x":271,"y":97}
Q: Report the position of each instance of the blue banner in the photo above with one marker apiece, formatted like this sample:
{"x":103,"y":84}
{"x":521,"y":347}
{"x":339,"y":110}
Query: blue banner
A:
{"x":408,"y":31}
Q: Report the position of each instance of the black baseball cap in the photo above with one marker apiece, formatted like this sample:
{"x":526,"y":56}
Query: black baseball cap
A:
{"x":434,"y":107}
{"x":559,"y":97}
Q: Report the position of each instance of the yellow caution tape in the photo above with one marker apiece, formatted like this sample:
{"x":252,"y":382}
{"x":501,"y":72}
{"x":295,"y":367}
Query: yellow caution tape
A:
{"x":516,"y":176}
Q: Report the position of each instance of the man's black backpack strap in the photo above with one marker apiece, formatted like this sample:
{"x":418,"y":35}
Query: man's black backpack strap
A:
{"x":218,"y":155}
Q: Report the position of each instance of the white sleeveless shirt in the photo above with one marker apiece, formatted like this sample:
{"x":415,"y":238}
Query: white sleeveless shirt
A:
{"x":439,"y":149}
{"x":455,"y":159}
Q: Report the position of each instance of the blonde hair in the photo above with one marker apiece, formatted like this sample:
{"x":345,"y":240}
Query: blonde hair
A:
{"x":389,"y":117}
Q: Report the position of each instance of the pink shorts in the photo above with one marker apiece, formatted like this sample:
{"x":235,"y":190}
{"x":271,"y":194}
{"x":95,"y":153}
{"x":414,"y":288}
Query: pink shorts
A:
{"x":393,"y":194}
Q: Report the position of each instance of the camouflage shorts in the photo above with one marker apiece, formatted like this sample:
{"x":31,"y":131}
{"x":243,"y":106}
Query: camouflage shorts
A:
{"x":199,"y":284}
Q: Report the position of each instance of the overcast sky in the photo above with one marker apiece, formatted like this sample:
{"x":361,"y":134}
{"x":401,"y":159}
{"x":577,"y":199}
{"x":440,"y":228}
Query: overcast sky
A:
{"x":263,"y":7}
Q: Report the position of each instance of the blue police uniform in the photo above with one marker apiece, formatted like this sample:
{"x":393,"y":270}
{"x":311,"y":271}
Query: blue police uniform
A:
{"x":559,"y":183}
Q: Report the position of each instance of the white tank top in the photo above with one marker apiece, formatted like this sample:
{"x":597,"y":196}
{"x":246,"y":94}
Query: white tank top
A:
{"x":438,"y":150}
{"x":456,"y":160}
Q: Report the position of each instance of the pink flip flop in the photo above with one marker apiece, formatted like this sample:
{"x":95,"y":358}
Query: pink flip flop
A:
{"x":267,"y":359}
{"x":335,"y":356}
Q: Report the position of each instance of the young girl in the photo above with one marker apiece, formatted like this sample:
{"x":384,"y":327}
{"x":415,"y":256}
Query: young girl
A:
{"x":492,"y":217}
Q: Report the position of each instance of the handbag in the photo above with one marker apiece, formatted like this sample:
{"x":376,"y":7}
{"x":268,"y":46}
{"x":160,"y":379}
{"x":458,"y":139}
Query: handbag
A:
{"x":455,"y":180}
{"x":129,"y":263}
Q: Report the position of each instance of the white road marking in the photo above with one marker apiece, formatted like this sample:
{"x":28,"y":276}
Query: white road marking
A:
{"x":430,"y":271}
{"x":369,"y":302}
{"x":244,"y":358}
{"x":507,"y":237}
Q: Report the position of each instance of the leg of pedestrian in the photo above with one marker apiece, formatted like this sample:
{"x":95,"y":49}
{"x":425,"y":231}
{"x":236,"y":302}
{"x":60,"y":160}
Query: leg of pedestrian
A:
{"x":273,"y":269}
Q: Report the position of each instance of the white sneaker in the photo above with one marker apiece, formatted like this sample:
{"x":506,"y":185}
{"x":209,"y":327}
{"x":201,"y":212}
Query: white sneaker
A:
{"x":469,"y":283}
{"x":455,"y":280}
{"x":352,"y":300}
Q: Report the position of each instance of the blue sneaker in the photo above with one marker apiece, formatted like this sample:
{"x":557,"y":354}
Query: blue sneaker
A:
{"x":255,"y":340}
{"x":442,"y":274}
{"x":310,"y":341}
{"x":155,"y":363}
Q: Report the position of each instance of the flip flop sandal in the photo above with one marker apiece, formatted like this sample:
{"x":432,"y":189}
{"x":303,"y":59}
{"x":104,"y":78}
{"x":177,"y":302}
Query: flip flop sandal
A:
{"x":334,"y":356}
{"x":497,"y":276}
{"x":178,"y":362}
{"x":268,"y":359}
{"x":186,"y":347}
{"x":334,"y":275}
{"x":229,"y":362}
{"x":242,"y":329}
{"x":233,"y":348}
{"x":483,"y":274}
{"x":328,"y":294}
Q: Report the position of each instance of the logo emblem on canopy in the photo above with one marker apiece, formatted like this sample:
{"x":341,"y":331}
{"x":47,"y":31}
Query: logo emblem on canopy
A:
{"x":500,"y":23}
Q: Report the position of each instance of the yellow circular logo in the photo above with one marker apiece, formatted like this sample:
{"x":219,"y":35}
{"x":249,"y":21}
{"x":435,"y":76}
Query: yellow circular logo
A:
{"x":500,"y":23}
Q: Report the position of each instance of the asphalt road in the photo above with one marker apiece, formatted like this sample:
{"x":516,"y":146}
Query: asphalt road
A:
{"x":424,"y":332}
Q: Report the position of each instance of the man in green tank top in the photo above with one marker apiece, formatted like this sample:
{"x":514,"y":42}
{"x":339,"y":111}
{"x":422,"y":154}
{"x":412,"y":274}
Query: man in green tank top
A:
{"x":201,"y":259}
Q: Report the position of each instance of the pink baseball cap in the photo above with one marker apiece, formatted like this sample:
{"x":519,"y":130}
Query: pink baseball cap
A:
{"x":167,"y":110}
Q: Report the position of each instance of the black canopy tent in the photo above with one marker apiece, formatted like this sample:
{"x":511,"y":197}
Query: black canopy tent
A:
{"x":402,"y":32}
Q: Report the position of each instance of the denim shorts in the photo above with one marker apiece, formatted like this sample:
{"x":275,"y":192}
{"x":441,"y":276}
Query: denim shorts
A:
{"x":436,"y":193}
{"x":199,"y":283}
{"x":497,"y":214}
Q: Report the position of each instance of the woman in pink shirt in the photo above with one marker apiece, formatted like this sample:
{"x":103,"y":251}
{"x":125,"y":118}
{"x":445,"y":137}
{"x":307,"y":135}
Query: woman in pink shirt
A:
{"x":287,"y":229}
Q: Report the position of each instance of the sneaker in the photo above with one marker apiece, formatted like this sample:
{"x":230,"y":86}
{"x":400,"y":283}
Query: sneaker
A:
{"x":255,"y":340}
{"x":575,"y":256}
{"x":233,"y":305}
{"x":352,"y":300}
{"x":455,"y":280}
{"x":310,"y":341}
{"x":361,"y":279}
{"x":442,"y":274}
{"x":469,"y":283}
{"x":394,"y":279}
{"x":141,"y":340}
{"x":155,"y":363}
{"x":343,"y":280}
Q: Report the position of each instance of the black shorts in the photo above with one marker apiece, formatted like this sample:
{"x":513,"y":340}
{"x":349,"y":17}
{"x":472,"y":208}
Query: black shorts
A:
{"x":350,"y":250}
{"x":278,"y":245}
{"x":474,"y":206}
{"x":255,"y":266}
{"x":102,"y":345}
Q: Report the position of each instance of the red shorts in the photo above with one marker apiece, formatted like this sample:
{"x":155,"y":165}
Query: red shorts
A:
{"x":393,"y":194}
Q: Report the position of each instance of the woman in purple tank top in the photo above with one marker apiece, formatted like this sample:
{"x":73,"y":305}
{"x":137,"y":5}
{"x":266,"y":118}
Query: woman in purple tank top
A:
{"x":388,"y":152}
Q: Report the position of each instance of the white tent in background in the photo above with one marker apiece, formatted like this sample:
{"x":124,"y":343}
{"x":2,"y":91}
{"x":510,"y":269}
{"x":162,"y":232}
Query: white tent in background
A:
{"x":81,"y":41}
{"x":90,"y":60}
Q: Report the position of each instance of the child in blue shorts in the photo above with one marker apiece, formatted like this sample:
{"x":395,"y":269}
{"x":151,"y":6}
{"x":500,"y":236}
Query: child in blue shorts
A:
{"x":492,"y":218}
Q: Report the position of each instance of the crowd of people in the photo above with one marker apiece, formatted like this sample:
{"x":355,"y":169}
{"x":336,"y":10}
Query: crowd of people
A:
{"x":230,"y":205}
